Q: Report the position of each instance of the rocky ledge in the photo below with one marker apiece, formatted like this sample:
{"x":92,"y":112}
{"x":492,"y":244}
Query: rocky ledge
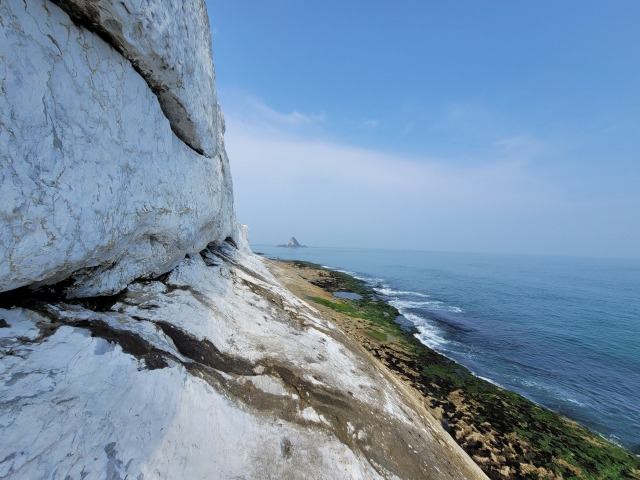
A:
{"x":213,"y":369}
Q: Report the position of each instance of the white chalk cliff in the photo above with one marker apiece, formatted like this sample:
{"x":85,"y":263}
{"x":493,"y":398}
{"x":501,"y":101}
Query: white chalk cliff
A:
{"x":95,"y":184}
{"x":139,"y":336}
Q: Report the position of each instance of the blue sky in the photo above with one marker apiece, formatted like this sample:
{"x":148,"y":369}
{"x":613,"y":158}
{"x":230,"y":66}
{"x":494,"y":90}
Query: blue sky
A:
{"x":506,"y":127}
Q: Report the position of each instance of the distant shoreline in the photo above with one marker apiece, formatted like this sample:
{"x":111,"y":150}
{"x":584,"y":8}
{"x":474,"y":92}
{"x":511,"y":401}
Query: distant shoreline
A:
{"x":507,"y":435}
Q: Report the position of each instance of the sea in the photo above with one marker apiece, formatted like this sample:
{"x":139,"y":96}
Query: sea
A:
{"x":562,"y":331}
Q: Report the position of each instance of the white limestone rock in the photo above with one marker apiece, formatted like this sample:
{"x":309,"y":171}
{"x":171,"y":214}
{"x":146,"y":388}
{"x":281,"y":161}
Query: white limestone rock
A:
{"x":212,"y":371}
{"x":215,"y":372}
{"x":94,"y":184}
{"x":169,"y":44}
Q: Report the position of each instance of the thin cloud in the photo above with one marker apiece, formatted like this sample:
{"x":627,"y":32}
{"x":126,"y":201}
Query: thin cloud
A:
{"x":246,"y":109}
{"x":288,"y":178}
{"x":373,"y":123}
{"x":524,"y":146}
{"x":262,"y":153}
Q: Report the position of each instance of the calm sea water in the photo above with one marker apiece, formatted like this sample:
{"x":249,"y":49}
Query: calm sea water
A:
{"x":564,"y":332}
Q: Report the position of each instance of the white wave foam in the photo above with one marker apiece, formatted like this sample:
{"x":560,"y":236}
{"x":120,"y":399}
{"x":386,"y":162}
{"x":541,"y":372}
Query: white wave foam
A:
{"x":429,"y":305}
{"x":394,"y":293}
{"x":574,"y":401}
{"x":428,"y":335}
{"x":337,"y":270}
{"x":404,"y":303}
{"x":370,"y":280}
{"x":487,"y":379}
{"x":552,"y":391}
{"x":415,"y":319}
{"x":443,"y":307}
{"x":613,"y":439}
{"x":401,"y":304}
{"x":454,"y":309}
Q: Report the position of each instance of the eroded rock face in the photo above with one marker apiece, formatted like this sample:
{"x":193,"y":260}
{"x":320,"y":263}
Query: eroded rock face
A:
{"x":169,"y":44}
{"x":94,"y":183}
{"x":212,"y":371}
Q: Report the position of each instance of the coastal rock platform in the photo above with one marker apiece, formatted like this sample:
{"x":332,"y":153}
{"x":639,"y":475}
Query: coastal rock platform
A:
{"x":508,"y":436}
{"x":213,"y":370}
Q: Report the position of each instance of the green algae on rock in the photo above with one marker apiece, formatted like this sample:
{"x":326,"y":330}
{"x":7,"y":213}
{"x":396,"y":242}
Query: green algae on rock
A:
{"x":507,"y":435}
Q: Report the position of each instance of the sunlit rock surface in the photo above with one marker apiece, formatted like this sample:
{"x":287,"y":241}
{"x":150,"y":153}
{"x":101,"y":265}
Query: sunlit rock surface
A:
{"x":95,"y":185}
{"x":168,"y":43}
{"x":165,"y":349}
{"x":215,"y":371}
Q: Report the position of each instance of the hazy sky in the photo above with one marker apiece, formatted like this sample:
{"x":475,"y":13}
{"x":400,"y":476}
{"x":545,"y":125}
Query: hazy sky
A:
{"x":502,"y":126}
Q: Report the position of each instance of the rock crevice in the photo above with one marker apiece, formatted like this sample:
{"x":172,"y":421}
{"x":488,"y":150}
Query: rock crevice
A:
{"x":180,"y":75}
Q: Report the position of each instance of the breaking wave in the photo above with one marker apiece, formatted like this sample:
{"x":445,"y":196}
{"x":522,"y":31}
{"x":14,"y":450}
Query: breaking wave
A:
{"x":428,"y":334}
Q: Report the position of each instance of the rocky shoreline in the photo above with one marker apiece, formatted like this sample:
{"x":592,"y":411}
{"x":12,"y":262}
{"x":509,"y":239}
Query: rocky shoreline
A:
{"x":507,"y":435}
{"x":214,"y":370}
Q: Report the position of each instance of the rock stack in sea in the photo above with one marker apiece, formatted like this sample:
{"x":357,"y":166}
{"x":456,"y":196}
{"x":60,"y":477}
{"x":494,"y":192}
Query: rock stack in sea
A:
{"x":292,"y":243}
{"x":139,"y":336}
